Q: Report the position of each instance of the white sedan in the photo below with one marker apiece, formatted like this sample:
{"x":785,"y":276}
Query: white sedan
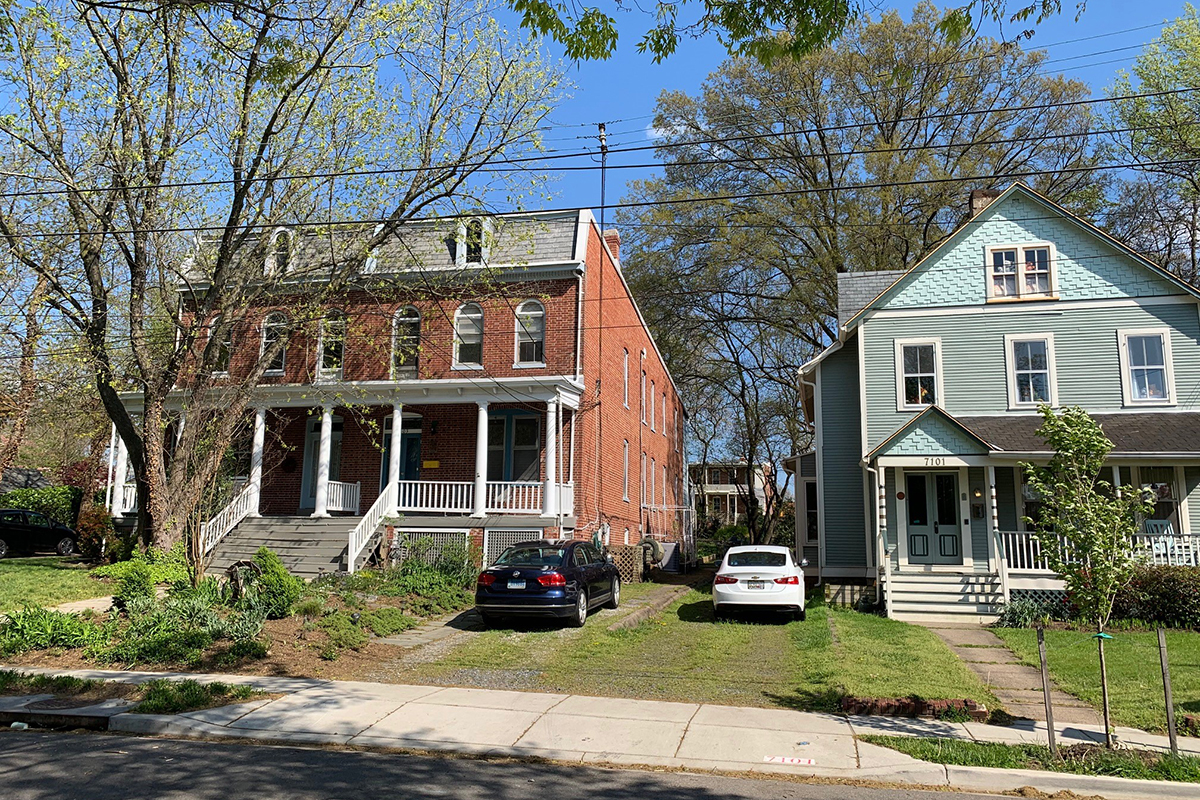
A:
{"x":759,"y":576}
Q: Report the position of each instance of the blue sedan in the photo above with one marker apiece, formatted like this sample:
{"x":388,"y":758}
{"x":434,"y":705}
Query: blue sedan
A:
{"x":563,"y":579}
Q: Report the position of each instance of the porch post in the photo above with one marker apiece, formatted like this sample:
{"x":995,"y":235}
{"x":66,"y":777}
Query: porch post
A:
{"x":481,"y":432}
{"x":256,"y":458}
{"x":112,"y":456}
{"x":395,"y":445}
{"x":120,"y":472}
{"x":549,"y":494}
{"x":324,"y":452}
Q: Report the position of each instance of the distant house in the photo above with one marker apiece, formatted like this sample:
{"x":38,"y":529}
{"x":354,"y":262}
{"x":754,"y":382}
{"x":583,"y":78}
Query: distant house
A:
{"x":473,"y":411}
{"x":725,"y":491}
{"x":926,"y":403}
{"x":22,"y":478}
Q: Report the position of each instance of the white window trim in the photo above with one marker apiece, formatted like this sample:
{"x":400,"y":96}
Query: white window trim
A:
{"x":517,"y":362}
{"x":816,"y":537}
{"x":626,"y":373}
{"x":262,"y":342}
{"x":664,"y":413}
{"x":1020,"y":247}
{"x":460,"y":242}
{"x":644,"y":397}
{"x":272,"y":267}
{"x":457,"y":363}
{"x":212,"y":326}
{"x":625,"y":474}
{"x":938,"y":379}
{"x":401,"y":313}
{"x":1010,"y":367}
{"x":651,"y":405}
{"x":1127,"y":398}
{"x":322,"y":374}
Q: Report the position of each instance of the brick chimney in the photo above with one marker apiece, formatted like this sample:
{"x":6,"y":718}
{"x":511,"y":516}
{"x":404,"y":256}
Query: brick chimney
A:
{"x":612,"y":237}
{"x":981,"y":199}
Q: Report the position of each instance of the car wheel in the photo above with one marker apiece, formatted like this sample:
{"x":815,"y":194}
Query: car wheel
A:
{"x":718,"y":614}
{"x":489,"y":619}
{"x":3,"y":549}
{"x":802,"y":614}
{"x":614,"y":596}
{"x":578,"y":619}
{"x":65,"y":546}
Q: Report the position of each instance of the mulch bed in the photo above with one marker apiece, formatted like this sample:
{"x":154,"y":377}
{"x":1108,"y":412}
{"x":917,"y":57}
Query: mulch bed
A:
{"x":913,"y":707}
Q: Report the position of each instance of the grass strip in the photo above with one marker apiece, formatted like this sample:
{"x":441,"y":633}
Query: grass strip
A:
{"x":1080,"y":759}
{"x":159,"y":696}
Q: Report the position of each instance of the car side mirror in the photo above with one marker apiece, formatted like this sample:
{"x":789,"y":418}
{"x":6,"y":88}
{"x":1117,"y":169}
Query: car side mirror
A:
{"x":608,"y":559}
{"x":804,"y":562}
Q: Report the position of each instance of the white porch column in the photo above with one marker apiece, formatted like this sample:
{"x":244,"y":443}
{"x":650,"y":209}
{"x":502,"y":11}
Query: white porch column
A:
{"x":256,"y":458}
{"x":120,"y":471}
{"x":550,"y":488}
{"x":395,"y":445}
{"x":112,"y":456}
{"x":481,"y":450}
{"x":326,"y":447}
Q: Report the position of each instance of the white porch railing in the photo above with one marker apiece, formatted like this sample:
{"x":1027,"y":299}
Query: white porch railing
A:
{"x":128,"y":497}
{"x":509,"y":497}
{"x":344,"y":496}
{"x":566,"y":499}
{"x":448,"y":497}
{"x":1001,"y":553}
{"x":1022,"y":552}
{"x":227,"y":518}
{"x":366,"y":527}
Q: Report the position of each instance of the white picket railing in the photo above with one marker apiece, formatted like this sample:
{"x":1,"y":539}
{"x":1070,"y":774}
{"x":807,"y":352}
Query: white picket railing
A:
{"x":128,"y":498}
{"x":344,"y":496}
{"x":360,"y":537}
{"x":441,"y":496}
{"x":508,"y":497}
{"x":227,"y":518}
{"x":1001,"y":554}
{"x":1023,"y":552}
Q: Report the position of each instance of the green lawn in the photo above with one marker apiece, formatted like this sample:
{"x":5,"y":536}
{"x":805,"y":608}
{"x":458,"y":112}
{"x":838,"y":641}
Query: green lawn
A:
{"x":684,"y":655}
{"x":1085,"y":760}
{"x":45,"y":582}
{"x":1134,"y":674}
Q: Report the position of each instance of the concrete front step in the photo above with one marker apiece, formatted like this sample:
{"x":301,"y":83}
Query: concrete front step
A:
{"x":933,"y":597}
{"x":936,"y":618}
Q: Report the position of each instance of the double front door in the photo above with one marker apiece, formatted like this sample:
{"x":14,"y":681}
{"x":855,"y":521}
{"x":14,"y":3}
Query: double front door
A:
{"x":933,"y":523}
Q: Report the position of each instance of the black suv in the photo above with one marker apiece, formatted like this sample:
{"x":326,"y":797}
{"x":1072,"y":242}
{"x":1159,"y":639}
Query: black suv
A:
{"x":29,"y":531}
{"x":548,"y":578}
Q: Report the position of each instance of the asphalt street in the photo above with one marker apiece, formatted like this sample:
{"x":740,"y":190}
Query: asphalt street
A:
{"x":109,"y":767}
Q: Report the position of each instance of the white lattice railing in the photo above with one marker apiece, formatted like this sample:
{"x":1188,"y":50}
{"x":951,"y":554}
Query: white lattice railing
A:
{"x":514,"y":497}
{"x":343,"y":496}
{"x":360,"y":537}
{"x":442,"y":496}
{"x":227,"y":518}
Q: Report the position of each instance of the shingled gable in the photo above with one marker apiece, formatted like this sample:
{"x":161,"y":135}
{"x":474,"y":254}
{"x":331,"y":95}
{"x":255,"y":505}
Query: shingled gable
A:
{"x":933,"y":416}
{"x":960,"y":233}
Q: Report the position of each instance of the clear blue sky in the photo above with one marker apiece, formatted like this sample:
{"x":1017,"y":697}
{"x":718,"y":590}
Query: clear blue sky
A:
{"x":622,"y":91}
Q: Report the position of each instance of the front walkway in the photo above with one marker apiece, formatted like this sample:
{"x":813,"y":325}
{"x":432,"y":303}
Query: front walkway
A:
{"x":578,"y":729}
{"x":1017,"y":686}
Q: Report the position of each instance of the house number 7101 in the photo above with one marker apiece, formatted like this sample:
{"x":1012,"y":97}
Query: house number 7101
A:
{"x":931,"y":461}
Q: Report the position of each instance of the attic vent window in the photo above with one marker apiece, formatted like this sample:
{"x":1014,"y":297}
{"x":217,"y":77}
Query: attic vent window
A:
{"x":1020,"y":272}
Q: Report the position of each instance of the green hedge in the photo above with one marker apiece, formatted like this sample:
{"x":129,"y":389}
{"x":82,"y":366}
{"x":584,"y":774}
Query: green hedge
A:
{"x":60,"y":503}
{"x":1167,"y":596}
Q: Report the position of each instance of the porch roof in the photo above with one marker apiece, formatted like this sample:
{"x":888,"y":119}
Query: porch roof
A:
{"x":1133,"y":435}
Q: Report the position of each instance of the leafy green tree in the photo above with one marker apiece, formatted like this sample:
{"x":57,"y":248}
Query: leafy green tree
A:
{"x":1087,"y":526}
{"x":761,"y":30}
{"x":132,"y":125}
{"x":851,"y":159}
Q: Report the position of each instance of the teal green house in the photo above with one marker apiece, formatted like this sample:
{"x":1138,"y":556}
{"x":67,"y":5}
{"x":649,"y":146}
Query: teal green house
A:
{"x":927,"y":402}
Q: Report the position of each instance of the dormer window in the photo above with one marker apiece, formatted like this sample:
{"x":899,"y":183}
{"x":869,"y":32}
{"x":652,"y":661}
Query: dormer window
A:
{"x":280,"y":259}
{"x":473,"y":242}
{"x":1020,"y":272}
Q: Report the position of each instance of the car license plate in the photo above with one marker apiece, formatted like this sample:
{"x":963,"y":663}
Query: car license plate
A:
{"x":516,"y":584}
{"x":756,"y":584}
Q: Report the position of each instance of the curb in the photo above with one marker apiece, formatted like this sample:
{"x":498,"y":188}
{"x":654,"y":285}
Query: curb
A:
{"x":644,"y":613}
{"x":991,"y":779}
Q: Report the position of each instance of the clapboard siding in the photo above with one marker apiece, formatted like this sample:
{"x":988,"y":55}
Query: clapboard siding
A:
{"x":842,"y":477}
{"x":977,"y":482}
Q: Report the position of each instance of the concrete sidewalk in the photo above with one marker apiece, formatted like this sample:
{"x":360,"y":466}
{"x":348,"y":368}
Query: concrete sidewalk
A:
{"x":578,"y":729}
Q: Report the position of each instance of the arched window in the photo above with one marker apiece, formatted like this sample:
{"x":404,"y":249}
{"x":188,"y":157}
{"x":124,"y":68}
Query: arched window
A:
{"x":468,"y":336}
{"x":274,"y":329}
{"x":474,"y":241}
{"x":406,"y":342}
{"x":280,"y":259}
{"x":222,"y":349}
{"x":333,"y":346}
{"x":531,"y":333}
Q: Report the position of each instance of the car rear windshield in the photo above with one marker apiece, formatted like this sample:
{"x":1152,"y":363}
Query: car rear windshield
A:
{"x":531,"y":557}
{"x":757,"y":558}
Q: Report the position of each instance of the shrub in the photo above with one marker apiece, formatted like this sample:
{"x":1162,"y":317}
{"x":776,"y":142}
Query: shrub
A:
{"x":276,"y":588}
{"x":343,"y":631}
{"x":1023,"y":614}
{"x":387,"y":621}
{"x":57,"y":502}
{"x":40,"y":629}
{"x":97,"y":536}
{"x":1161,"y":595}
{"x":173,"y":697}
{"x":165,"y":567}
{"x":136,"y":583}
{"x":729,"y":532}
